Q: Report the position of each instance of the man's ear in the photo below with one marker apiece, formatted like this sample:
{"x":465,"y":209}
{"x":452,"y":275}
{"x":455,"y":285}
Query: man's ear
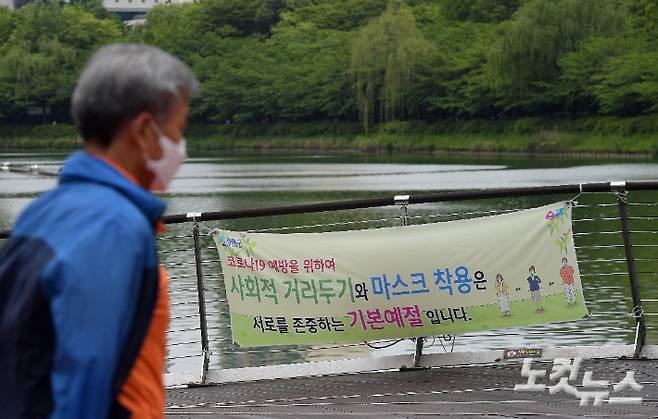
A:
{"x":144,"y":135}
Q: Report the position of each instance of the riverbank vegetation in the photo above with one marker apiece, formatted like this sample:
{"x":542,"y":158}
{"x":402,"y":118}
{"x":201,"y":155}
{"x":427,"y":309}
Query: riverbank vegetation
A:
{"x":595,"y":136}
{"x":479,"y":75}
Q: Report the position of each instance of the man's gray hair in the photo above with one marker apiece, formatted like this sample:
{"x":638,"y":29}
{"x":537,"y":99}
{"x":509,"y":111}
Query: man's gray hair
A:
{"x":122,"y":80}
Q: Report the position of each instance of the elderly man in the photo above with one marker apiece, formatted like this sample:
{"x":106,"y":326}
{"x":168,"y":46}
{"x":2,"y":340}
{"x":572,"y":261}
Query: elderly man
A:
{"x":83,"y":302}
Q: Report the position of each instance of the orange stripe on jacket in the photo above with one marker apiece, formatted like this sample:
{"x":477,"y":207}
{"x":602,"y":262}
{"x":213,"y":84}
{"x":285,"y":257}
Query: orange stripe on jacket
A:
{"x":116,"y":166}
{"x":143,"y":392}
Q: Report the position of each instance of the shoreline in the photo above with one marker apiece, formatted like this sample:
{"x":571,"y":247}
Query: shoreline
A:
{"x":268,"y":149}
{"x":592,"y":138}
{"x":438,"y":152}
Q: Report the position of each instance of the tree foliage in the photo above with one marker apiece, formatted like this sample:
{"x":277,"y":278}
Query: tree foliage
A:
{"x":45,"y":47}
{"x":383,"y":57}
{"x":480,"y":10}
{"x":344,"y":60}
{"x":526,"y":61}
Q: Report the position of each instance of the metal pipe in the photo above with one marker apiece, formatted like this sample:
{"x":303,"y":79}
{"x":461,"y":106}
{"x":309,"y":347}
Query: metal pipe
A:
{"x":413,"y":199}
{"x":403,"y":202}
{"x":203,"y":323}
{"x":640,"y":328}
{"x":30,"y":169}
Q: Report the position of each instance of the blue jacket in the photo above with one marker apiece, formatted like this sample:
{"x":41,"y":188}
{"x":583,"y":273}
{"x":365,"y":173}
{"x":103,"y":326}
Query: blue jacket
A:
{"x":534,"y":281}
{"x":78,"y":284}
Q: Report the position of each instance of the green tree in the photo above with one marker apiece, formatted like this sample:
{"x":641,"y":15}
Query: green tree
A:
{"x":37,"y":79}
{"x":628,"y":84}
{"x":454,"y":78}
{"x":178,"y":29}
{"x":6,"y":24}
{"x":344,"y":15}
{"x":43,"y":54}
{"x":244,"y":17}
{"x":96,"y":8}
{"x":373,"y":60}
{"x":237,"y":83}
{"x":644,"y":13}
{"x":383,"y":57}
{"x":581,"y":73}
{"x":311,"y":72}
{"x":526,"y":61}
{"x":480,"y":10}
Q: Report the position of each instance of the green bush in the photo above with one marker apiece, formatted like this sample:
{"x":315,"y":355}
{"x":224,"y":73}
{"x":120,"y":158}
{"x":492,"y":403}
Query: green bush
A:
{"x":530,"y":135}
{"x":654,"y":152}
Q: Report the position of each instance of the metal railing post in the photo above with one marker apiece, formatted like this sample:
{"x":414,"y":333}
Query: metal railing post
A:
{"x":203,"y":322}
{"x":619,"y":188}
{"x":403,"y":202}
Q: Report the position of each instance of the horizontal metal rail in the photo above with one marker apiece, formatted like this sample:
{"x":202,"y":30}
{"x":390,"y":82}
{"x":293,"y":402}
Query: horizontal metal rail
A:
{"x":193,"y":329}
{"x":413,"y":199}
{"x":32,"y":169}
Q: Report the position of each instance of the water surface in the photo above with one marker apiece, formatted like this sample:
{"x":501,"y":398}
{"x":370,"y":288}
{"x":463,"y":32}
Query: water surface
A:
{"x":215,"y":182}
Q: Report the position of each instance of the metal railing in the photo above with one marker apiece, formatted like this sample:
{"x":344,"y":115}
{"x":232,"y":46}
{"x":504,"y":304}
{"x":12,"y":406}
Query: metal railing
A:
{"x":30,"y":169}
{"x":616,"y":240}
{"x":603,"y":232}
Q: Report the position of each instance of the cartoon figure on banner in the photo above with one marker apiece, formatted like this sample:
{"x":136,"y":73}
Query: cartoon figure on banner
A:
{"x":535,"y":288}
{"x":566,"y":272}
{"x":502,"y":292}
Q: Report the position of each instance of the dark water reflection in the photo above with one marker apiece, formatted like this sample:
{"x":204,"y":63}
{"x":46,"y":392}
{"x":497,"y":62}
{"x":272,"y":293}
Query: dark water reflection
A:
{"x":234,"y":182}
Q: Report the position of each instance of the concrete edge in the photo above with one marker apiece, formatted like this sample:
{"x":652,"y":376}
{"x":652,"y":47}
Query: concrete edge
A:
{"x":371,"y":364}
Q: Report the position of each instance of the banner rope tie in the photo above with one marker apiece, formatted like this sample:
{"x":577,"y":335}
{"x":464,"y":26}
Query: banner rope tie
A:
{"x":637,"y":313}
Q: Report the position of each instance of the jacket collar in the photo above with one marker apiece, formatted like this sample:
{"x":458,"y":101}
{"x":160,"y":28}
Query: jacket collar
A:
{"x":83,"y":167}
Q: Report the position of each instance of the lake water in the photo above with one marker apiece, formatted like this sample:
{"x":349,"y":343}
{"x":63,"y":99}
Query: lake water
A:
{"x":215,"y":182}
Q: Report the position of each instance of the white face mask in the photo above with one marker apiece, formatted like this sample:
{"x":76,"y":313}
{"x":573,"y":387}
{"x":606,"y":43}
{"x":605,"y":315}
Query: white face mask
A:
{"x":164,"y":169}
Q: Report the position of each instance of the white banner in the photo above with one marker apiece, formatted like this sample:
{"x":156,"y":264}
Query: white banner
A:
{"x":516,"y":269}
